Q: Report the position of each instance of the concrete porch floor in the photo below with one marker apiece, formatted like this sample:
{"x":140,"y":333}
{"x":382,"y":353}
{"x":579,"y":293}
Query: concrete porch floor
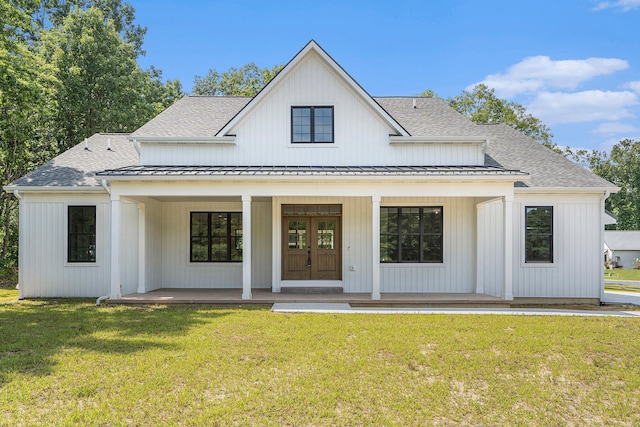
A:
{"x":265,"y":296}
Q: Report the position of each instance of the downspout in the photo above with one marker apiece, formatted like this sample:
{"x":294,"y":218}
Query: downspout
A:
{"x":106,"y":188}
{"x":602,"y":214}
{"x":136,"y":146}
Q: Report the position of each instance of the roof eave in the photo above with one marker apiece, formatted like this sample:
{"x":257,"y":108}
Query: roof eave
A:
{"x":566,"y":190}
{"x":227,"y":139}
{"x":54,"y":189}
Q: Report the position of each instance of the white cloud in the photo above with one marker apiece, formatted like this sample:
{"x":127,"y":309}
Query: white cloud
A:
{"x":625,"y":5}
{"x":537,"y":73}
{"x":586,"y":106}
{"x":634,"y":86}
{"x":615,"y":128}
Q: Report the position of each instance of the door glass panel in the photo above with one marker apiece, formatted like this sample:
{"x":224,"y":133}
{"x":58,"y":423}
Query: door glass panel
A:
{"x":326,"y":233}
{"x":297,"y":234}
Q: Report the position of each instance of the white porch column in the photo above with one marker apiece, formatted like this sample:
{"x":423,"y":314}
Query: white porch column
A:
{"x":508,"y":247}
{"x":246,"y":247}
{"x":142,"y":248}
{"x":115,"y":247}
{"x":375,"y":256}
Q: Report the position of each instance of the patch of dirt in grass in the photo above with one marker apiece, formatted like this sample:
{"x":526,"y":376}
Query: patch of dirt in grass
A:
{"x":585,"y":307}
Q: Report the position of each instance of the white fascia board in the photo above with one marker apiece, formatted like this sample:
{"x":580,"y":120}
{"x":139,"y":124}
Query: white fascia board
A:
{"x":313,"y":46}
{"x":401,"y":140}
{"x":51,"y":189}
{"x":228,"y":139}
{"x":566,"y":190}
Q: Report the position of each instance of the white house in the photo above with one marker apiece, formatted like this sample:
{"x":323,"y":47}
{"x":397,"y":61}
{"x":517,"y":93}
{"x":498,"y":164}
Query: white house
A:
{"x":622,"y":248}
{"x":312,"y":183}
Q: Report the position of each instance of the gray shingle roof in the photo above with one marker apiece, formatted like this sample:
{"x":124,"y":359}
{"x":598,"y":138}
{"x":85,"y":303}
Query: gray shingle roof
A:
{"x":511,"y":149}
{"x":78,"y":166}
{"x":204,"y":116}
{"x":622,"y":240}
{"x":193,"y":116}
{"x":431,"y":117}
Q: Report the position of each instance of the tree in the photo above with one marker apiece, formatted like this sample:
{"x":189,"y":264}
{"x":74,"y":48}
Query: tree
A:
{"x":245,"y":81}
{"x":121,"y":15}
{"x":481,"y":105}
{"x":622,"y":168}
{"x":102,"y":89}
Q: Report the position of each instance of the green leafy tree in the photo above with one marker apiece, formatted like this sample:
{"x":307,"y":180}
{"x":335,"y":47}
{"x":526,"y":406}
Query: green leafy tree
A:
{"x":121,"y":14}
{"x":622,"y":168}
{"x":101,"y":86}
{"x":245,"y":81}
{"x":481,"y":105}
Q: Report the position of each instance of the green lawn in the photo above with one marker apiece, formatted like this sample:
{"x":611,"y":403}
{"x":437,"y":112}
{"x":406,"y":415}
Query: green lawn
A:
{"x":8,"y":295}
{"x":620,"y":274}
{"x":71,"y":363}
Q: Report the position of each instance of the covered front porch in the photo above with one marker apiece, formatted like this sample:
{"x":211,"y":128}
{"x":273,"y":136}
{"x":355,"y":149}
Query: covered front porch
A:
{"x":152,"y":249}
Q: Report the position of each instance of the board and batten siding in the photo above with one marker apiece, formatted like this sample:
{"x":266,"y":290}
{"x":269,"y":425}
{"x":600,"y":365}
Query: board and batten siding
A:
{"x":129,"y":248}
{"x":45,"y":270}
{"x":578,"y":255}
{"x":153,"y":246}
{"x":457,"y":273}
{"x":263,"y":137}
{"x":490,"y":244}
{"x":179,"y":272}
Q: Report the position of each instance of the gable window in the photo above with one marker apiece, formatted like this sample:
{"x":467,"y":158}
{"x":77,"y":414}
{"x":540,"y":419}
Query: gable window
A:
{"x":311,"y":125}
{"x":411,"y":234}
{"x":539,"y":234}
{"x":216,"y":237}
{"x":81,"y":234}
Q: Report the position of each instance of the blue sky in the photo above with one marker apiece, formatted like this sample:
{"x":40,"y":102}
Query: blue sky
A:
{"x":575,"y":64}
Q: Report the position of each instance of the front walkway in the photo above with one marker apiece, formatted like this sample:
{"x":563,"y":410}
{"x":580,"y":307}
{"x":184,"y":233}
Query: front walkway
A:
{"x":265,"y":296}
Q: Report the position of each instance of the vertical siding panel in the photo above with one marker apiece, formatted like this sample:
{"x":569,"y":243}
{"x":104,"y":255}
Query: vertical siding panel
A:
{"x":575,"y":272}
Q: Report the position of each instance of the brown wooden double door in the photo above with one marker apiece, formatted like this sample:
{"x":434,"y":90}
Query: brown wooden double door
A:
{"x":311,"y":248}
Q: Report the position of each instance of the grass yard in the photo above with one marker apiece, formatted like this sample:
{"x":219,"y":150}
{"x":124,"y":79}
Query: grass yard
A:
{"x":620,"y":274}
{"x":71,"y":363}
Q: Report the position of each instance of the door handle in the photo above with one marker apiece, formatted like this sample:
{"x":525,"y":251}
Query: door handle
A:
{"x":309,"y":258}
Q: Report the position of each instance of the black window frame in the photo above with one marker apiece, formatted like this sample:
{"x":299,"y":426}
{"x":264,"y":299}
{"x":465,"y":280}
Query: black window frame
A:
{"x":312,"y":117}
{"x":422,"y":234}
{"x":74,"y":236}
{"x":530,"y":235}
{"x":232,"y":241}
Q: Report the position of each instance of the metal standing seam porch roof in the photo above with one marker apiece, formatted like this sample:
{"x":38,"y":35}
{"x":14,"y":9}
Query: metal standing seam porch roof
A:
{"x":190,"y":171}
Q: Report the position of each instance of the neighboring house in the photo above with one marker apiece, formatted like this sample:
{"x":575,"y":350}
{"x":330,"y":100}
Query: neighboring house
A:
{"x":622,"y":248}
{"x":312,"y":182}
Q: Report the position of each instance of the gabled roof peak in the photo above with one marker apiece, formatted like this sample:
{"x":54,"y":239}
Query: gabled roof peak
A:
{"x":313,"y":46}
